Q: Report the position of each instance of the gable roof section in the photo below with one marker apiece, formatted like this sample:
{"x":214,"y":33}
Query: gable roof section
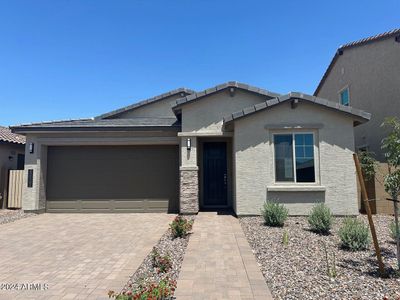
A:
{"x":100,"y":124}
{"x":359,"y":115}
{"x":183,"y":91}
{"x":231,"y":84}
{"x":339,"y":51}
{"x":7,"y":136}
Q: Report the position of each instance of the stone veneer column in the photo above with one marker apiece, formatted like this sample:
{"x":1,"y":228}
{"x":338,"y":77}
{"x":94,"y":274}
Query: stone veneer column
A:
{"x":189,"y":190}
{"x":189,"y":178}
{"x":34,"y":198}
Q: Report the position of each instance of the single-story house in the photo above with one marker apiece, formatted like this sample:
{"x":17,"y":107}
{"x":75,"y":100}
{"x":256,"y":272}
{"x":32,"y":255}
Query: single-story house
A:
{"x":12,"y":150}
{"x":232,"y":146}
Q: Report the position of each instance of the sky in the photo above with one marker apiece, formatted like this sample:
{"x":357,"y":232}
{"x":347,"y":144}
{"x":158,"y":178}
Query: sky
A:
{"x":67,"y":59}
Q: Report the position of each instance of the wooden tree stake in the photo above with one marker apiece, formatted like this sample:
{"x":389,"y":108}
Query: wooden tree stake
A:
{"x":368,"y":209}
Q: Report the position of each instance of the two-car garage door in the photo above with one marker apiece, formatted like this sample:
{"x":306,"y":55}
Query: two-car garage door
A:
{"x":112,"y":178}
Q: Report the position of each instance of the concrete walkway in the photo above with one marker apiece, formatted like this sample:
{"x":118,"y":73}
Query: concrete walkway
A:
{"x":219,"y":263}
{"x":74,"y":256}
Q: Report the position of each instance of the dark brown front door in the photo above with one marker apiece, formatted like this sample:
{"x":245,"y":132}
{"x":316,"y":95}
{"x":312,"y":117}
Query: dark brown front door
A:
{"x":214,"y":174}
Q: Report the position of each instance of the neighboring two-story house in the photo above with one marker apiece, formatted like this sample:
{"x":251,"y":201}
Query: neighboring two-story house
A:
{"x":366,"y":74}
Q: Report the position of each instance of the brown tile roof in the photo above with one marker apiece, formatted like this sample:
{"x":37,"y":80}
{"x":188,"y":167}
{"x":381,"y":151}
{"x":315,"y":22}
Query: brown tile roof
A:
{"x":182,"y":91}
{"x":7,"y":136}
{"x":358,"y":115}
{"x":100,"y":124}
{"x":371,"y":38}
{"x":339,"y":51}
{"x":230,"y":84}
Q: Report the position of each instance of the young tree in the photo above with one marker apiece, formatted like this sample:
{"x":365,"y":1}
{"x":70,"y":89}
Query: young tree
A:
{"x":391,"y":147}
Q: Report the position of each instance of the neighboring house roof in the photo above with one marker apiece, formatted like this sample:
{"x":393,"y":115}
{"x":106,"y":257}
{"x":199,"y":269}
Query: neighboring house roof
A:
{"x":359,"y":115}
{"x":231,"y":84}
{"x":7,"y":136}
{"x":378,"y":37}
{"x":183,"y":91}
{"x":102,"y":124}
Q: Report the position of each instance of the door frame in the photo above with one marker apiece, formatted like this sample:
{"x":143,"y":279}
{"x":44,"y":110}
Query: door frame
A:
{"x":229,"y":157}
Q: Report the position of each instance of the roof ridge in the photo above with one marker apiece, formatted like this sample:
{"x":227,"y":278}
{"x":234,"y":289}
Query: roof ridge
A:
{"x":51,"y":121}
{"x":244,"y":86}
{"x":145,"y":101}
{"x":370,"y":38}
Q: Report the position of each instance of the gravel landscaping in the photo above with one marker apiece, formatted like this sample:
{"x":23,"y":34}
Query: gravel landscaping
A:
{"x":298,"y":270}
{"x":7,"y":216}
{"x":167,"y":245}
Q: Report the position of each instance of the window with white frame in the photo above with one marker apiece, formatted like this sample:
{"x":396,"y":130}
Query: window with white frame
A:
{"x":345,"y":97}
{"x":294,"y":157}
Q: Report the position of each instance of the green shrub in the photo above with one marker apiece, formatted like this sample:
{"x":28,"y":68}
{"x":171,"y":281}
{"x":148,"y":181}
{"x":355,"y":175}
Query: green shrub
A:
{"x":180,"y":226}
{"x":354,"y":235}
{"x":320,"y":219}
{"x":162,"y":263}
{"x":392,"y":228}
{"x":274,"y":214}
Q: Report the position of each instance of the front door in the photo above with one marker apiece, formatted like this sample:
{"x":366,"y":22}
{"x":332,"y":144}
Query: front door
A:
{"x":214,"y":174}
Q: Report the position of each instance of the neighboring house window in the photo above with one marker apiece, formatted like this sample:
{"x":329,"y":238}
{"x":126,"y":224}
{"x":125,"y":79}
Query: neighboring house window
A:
{"x":294,"y":157}
{"x":345,"y":97}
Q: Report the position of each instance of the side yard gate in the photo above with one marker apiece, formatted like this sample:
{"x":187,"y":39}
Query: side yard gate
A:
{"x":15,"y":183}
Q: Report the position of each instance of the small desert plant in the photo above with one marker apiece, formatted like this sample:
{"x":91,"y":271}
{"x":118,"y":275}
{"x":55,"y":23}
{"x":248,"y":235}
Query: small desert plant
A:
{"x":392,"y":228}
{"x":330,"y":267}
{"x":285,"y":238}
{"x":320,"y":219}
{"x":354,"y":235}
{"x":161,"y":262}
{"x":161,"y":290}
{"x":180,"y":226}
{"x":274,"y":214}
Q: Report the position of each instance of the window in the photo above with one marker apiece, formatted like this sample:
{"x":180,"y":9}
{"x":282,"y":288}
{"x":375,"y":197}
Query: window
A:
{"x":345,"y":97}
{"x":294,"y":157}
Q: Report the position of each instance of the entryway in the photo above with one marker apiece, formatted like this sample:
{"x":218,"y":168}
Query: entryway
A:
{"x":215,"y":157}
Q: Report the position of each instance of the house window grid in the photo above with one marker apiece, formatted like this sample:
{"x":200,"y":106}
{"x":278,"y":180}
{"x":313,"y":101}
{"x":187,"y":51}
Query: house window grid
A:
{"x":345,"y":89}
{"x":315,"y":156}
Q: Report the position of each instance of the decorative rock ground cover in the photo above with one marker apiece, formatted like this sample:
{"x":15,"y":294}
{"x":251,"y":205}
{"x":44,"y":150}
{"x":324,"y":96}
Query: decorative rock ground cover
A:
{"x":7,"y":216}
{"x":169,"y":246}
{"x":299,"y":271}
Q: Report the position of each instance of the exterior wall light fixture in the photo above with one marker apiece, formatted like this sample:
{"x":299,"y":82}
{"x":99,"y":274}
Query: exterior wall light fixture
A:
{"x":31,"y":147}
{"x":188,"y":144}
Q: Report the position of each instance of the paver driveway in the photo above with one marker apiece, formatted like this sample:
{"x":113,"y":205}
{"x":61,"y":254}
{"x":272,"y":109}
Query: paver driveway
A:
{"x":79,"y":256}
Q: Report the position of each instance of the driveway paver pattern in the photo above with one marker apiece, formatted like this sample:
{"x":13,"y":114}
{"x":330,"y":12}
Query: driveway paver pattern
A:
{"x":78,"y":256}
{"x":219,"y":263}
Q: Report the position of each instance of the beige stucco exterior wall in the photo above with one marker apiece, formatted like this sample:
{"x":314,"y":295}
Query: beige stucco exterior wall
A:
{"x":161,"y":108}
{"x":372,"y":73}
{"x":254,"y":169}
{"x":206,"y":115}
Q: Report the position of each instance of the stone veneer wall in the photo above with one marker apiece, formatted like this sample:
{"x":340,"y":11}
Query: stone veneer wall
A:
{"x":189,"y":191}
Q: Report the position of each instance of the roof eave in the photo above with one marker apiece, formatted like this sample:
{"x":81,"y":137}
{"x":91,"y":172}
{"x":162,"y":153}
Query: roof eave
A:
{"x":358,"y":116}
{"x":12,"y":143}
